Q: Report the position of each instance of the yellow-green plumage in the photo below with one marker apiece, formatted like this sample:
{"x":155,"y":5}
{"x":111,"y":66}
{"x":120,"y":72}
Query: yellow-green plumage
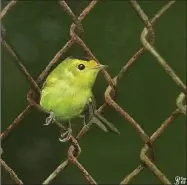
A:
{"x":67,"y":88}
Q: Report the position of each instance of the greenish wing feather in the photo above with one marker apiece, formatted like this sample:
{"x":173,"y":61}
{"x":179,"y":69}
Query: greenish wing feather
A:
{"x":50,"y":81}
{"x":55,"y":75}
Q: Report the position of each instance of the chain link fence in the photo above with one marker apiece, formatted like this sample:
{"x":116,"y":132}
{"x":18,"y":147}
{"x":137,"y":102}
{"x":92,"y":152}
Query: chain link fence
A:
{"x":74,"y":151}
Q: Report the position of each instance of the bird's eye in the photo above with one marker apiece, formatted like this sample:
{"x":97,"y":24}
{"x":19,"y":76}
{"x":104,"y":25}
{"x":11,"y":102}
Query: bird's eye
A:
{"x":81,"y":66}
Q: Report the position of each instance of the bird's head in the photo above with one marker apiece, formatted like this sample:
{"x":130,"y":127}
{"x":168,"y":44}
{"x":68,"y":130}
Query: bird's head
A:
{"x":82,"y":72}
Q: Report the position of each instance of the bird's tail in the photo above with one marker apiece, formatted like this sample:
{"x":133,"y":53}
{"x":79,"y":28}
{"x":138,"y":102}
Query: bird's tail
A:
{"x":91,"y":115}
{"x":103,"y":123}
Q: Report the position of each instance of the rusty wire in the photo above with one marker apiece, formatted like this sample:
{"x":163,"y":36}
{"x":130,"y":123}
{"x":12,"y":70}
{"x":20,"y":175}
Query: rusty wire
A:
{"x":75,"y":150}
{"x":12,"y":174}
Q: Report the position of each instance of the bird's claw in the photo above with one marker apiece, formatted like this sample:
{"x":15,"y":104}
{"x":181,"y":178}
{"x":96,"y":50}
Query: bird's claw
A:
{"x":66,"y":135}
{"x":49,"y":119}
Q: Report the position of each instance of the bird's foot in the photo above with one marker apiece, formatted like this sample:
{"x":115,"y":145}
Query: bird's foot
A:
{"x":66,"y":135}
{"x":50,"y":119}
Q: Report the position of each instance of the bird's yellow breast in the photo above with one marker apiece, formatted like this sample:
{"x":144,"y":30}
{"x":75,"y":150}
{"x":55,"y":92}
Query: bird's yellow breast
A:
{"x":65,"y":101}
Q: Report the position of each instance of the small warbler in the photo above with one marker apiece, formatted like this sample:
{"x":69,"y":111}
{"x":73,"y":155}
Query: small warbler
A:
{"x":67,"y":93}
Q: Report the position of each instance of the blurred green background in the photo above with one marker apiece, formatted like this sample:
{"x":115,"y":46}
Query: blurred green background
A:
{"x":37,"y":30}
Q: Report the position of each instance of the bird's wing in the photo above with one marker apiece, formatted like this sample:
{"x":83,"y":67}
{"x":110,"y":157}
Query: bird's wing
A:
{"x":50,"y":81}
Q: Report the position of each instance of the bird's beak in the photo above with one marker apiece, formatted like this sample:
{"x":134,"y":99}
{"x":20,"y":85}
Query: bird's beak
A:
{"x":99,"y":66}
